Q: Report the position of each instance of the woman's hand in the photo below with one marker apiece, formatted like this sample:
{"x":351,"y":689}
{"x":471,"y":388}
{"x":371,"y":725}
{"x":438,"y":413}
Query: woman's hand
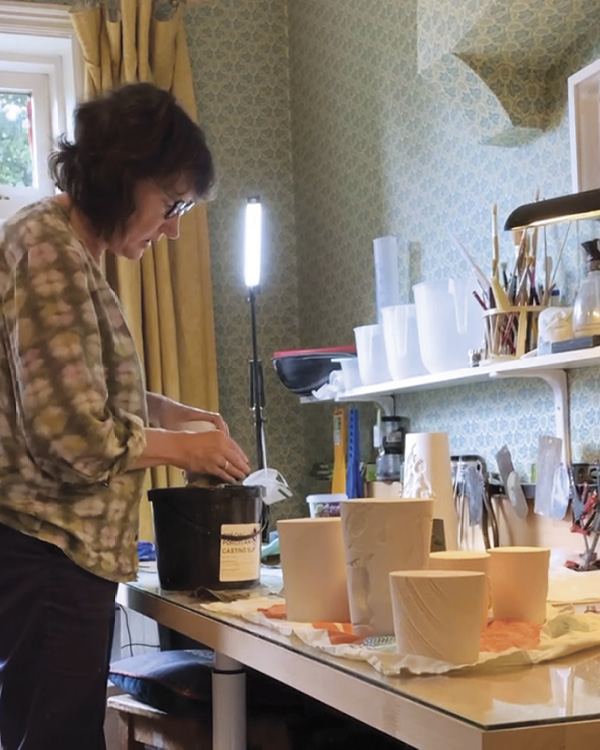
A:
{"x":170,"y":415}
{"x":212,"y":452}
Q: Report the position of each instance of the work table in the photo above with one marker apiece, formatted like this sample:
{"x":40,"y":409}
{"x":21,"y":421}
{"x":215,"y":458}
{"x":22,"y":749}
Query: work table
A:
{"x":553,"y":705}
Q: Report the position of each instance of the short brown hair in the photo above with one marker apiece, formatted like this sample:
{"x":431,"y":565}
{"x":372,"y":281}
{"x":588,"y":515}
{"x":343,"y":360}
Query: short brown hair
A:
{"x":132,"y":133}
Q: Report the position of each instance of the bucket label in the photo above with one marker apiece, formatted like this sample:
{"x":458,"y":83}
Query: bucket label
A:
{"x":240,"y":558}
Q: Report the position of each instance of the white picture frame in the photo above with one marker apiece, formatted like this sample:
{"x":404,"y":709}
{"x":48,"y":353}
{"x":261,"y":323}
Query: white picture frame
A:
{"x":584,"y":127}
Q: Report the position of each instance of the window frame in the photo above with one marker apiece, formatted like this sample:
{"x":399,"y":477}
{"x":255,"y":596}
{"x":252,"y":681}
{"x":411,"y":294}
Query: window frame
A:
{"x":56,"y":64}
{"x":36,"y":83}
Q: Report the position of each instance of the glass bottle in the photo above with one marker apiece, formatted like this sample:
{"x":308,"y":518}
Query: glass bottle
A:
{"x":586,"y":308}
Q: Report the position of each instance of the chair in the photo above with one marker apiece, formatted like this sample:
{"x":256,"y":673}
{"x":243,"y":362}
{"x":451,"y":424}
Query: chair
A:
{"x":141,"y":726}
{"x":167,"y":703}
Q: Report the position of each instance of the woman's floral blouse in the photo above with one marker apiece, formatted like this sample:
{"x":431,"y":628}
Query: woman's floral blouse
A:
{"x":72,"y":400}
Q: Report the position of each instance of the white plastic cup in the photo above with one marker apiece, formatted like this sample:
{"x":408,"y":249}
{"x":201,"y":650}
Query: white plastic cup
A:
{"x":370,"y":348}
{"x":325,"y":505}
{"x":350,"y":373}
{"x":273,"y":483}
{"x":449,"y":323}
{"x":403,"y":354}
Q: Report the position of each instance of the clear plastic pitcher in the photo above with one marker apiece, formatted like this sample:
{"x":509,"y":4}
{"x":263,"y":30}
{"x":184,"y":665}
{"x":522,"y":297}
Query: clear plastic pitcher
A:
{"x":402,"y":341}
{"x":370,"y":349}
{"x":449,"y":322}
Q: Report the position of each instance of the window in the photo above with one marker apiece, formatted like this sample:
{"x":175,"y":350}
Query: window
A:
{"x":40,"y":81}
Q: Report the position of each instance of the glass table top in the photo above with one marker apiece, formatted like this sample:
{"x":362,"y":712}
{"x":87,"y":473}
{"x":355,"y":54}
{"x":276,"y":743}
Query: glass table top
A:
{"x":556,"y":691}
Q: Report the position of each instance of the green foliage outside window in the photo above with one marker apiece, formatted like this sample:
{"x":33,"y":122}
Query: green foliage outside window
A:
{"x":16,"y":164}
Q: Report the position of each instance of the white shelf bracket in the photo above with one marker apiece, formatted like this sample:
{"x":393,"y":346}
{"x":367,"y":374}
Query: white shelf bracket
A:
{"x":387,"y":404}
{"x":557,"y":380}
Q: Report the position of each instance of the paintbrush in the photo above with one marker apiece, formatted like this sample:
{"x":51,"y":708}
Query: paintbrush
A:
{"x":483,"y":280}
{"x":550,"y":285}
{"x":520,"y":242}
{"x":495,"y":244}
{"x":500,"y":298}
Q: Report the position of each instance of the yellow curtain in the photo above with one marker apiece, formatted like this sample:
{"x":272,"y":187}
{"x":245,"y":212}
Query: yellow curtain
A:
{"x":167,"y":298}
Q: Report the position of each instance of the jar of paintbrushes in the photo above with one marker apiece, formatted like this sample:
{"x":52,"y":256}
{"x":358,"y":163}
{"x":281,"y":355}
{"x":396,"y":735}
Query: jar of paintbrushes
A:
{"x":511,"y":332}
{"x":511,"y":303}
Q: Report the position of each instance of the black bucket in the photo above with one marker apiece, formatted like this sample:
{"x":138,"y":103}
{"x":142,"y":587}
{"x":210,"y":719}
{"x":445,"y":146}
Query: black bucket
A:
{"x":207,"y":537}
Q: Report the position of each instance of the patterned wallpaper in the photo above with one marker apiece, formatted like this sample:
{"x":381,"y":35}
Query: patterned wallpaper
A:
{"x":513,"y":49}
{"x":375,"y":148}
{"x":379,"y":149}
{"x":239,"y":55}
{"x":318,"y":106}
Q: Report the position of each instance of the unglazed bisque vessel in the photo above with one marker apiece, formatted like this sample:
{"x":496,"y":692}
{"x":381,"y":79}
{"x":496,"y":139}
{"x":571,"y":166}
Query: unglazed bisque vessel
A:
{"x":466,"y":560}
{"x":437,"y":613}
{"x":519,"y":583}
{"x":428,"y":473}
{"x":314,"y":569}
{"x":381,"y":535}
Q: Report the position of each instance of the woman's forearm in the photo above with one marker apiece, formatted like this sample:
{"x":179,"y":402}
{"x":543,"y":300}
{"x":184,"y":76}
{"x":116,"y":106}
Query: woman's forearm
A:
{"x":162,"y":448}
{"x":155,"y":403}
{"x":172,"y":415}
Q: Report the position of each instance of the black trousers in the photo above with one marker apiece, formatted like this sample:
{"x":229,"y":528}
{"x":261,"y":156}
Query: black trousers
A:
{"x":55,"y":635}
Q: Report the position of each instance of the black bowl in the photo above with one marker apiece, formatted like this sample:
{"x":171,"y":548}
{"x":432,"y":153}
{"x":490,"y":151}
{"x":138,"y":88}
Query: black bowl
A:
{"x":302,"y":371}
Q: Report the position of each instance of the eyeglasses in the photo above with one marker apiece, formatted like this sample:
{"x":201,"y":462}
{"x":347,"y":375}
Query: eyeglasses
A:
{"x":177,"y":208}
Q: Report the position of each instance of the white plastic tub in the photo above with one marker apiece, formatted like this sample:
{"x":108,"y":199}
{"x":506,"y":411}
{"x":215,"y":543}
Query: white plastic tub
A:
{"x":325,"y":505}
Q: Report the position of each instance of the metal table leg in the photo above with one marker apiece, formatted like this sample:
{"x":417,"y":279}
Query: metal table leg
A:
{"x":228,"y":704}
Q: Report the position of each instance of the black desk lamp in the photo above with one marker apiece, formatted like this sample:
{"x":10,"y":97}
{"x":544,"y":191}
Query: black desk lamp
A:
{"x":585,"y":205}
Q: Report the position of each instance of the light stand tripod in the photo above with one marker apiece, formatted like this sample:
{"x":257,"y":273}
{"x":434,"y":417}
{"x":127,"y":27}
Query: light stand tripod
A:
{"x":252,"y":257}
{"x":257,"y":389}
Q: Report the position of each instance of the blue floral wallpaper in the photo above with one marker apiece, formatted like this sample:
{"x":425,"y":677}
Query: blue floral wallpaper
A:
{"x":321,"y":106}
{"x":351,"y":125}
{"x":381,"y":149}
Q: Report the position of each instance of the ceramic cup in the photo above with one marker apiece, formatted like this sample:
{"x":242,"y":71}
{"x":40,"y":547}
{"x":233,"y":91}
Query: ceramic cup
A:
{"x":428,"y":473}
{"x":381,"y":535}
{"x":437,"y":613}
{"x":466,"y":560}
{"x":519,"y":583}
{"x":314,"y":569}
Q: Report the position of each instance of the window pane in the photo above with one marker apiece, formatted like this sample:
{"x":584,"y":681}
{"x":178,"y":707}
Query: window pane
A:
{"x":16,"y":152}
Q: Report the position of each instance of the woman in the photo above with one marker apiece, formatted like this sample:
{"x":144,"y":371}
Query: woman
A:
{"x":75,"y":434}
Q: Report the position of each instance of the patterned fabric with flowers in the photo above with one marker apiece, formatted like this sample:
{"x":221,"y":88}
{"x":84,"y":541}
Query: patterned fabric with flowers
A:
{"x":72,"y":400}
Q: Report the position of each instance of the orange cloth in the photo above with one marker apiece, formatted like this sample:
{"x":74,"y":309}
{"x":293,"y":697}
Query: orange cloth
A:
{"x":501,"y":635}
{"x":339,"y":632}
{"x":275,"y":612}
